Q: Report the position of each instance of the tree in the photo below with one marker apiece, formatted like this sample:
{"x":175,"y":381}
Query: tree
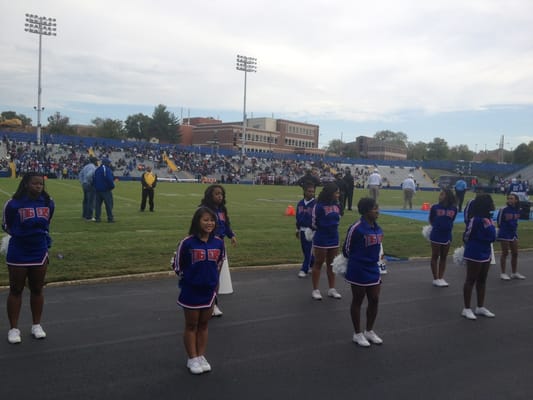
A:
{"x":12,"y":115}
{"x":59,"y":124}
{"x":164,"y":125}
{"x":523,"y":154}
{"x":351,"y":150}
{"x":109,"y":128}
{"x":389,"y":136}
{"x":138,"y":126}
{"x":461,"y":152}
{"x":336,"y":146}
{"x":417,"y":151}
{"x":438,"y":150}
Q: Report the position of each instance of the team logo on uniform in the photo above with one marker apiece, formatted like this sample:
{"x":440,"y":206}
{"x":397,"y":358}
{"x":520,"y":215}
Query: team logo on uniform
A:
{"x":26,"y":213}
{"x":199,"y":255}
{"x":331,"y":209}
{"x":447,"y":213}
{"x":373,"y":239}
{"x":43,"y":212}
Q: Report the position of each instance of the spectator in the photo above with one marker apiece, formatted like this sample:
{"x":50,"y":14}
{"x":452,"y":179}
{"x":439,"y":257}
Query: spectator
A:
{"x":460,"y":190}
{"x":409,"y":189}
{"x":374,"y":184}
{"x":309,"y":177}
{"x":86,"y":179}
{"x":104,"y":183}
{"x":148,"y":183}
{"x":349,"y":185}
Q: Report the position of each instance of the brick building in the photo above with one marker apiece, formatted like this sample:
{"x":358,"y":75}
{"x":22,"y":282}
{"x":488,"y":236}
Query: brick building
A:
{"x":263,"y":135}
{"x":379,"y":149}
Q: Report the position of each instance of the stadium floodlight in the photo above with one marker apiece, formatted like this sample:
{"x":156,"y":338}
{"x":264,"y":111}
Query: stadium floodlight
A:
{"x":246,"y":64}
{"x":40,"y":26}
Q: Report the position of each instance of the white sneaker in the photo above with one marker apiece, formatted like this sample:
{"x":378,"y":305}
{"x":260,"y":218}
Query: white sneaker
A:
{"x":333,"y":293}
{"x":505,"y":277}
{"x":517,"y":275}
{"x":13,"y":336}
{"x":194,"y":366}
{"x":206,"y":367}
{"x":372,"y":337}
{"x":37,"y":331}
{"x":468,"y":314}
{"x":217,"y":312}
{"x":302,"y":274}
{"x":315,"y":294}
{"x":436,"y":282}
{"x":443,"y":283}
{"x":360,"y":339}
{"x":484,"y":312}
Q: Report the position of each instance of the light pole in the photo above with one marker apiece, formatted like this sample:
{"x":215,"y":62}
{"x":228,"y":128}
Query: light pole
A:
{"x":41,"y":26}
{"x":246,"y":64}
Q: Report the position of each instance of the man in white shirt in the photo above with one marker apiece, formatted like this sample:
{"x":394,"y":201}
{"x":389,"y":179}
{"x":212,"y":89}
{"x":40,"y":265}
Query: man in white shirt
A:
{"x":409,"y":189}
{"x":374,"y":183}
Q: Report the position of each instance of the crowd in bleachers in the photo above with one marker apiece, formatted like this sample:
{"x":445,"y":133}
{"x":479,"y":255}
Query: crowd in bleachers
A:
{"x":64,"y":158}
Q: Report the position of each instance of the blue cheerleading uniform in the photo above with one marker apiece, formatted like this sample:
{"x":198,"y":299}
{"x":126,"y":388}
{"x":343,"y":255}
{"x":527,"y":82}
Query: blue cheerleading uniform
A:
{"x":27,"y":220}
{"x":325,"y":222}
{"x":362,"y":247}
{"x":441,"y":219}
{"x":223,"y":228}
{"x":479,"y":234}
{"x":508,"y":223}
{"x":304,"y":210}
{"x":198,"y":264}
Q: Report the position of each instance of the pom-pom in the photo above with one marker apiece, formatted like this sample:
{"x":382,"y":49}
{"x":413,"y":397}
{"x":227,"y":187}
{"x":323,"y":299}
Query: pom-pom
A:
{"x":5,"y":244}
{"x":458,"y":255}
{"x":309,"y":233}
{"x":426,"y":231}
{"x":339,"y":265}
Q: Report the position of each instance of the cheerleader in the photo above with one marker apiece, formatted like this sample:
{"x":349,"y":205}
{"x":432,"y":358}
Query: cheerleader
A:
{"x":197,"y":262}
{"x":480,"y":233}
{"x":362,"y":249}
{"x":507,"y":236}
{"x":26,"y":218}
{"x":215,"y":199}
{"x":303,"y":224}
{"x":325,"y":221}
{"x":441,"y":219}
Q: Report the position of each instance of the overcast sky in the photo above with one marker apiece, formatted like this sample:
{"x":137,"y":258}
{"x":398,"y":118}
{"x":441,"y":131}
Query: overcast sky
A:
{"x":461,"y":70}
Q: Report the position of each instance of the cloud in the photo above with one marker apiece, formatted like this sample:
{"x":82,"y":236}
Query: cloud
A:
{"x":348,"y":60}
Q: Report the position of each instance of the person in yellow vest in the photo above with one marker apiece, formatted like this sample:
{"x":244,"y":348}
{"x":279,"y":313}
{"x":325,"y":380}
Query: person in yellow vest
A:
{"x":148,"y":182}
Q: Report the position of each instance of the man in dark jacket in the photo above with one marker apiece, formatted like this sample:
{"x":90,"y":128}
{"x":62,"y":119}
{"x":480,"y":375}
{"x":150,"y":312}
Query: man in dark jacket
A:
{"x":342,"y":191}
{"x":148,"y":183}
{"x":349,"y":186}
{"x":104,"y":183}
{"x":310,"y":177}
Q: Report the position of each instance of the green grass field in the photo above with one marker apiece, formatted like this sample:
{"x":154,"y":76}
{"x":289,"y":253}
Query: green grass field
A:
{"x":144,"y":242}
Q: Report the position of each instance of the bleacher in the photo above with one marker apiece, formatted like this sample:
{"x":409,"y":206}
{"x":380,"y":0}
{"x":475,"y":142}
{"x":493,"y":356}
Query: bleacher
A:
{"x":129,"y":157}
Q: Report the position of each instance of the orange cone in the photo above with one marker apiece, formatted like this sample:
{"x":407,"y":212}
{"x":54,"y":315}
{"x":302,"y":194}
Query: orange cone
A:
{"x":425,"y":207}
{"x":289,"y":211}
